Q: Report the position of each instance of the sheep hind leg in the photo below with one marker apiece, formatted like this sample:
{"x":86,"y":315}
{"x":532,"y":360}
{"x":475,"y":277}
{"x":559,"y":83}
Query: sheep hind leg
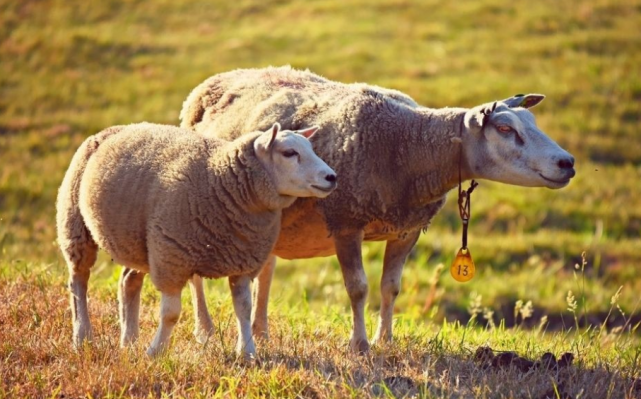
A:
{"x":203,"y":326}
{"x":129,"y":288}
{"x":260,"y":326}
{"x":348,"y":251}
{"x":242,"y":298}
{"x":80,"y":257}
{"x":396,"y":253}
{"x":170,"y":307}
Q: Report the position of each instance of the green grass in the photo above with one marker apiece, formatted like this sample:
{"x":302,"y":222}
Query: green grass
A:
{"x":68,"y":69}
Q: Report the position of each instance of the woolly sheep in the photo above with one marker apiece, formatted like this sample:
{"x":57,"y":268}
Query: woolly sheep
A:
{"x":397,"y":161}
{"x":164,"y":201}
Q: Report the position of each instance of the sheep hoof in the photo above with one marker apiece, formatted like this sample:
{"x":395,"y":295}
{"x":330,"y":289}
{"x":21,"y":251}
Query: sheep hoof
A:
{"x":260,"y":333}
{"x":360,"y":346}
{"x":382,"y":340}
{"x":81,"y":338}
{"x":202,"y":336}
{"x":155,"y":351}
{"x":247,"y":357}
{"x":128,"y":340}
{"x":80,"y":345}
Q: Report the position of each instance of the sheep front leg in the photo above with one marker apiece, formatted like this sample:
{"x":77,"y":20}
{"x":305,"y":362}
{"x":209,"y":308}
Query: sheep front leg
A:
{"x":129,"y":288}
{"x":169,"y":314}
{"x":203,"y":327}
{"x":396,"y":253}
{"x":260,"y":327}
{"x":242,"y":298}
{"x":348,"y":251}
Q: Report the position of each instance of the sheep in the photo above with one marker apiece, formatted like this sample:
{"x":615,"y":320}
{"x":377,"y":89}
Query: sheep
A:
{"x":164,"y":201}
{"x":397,"y":161}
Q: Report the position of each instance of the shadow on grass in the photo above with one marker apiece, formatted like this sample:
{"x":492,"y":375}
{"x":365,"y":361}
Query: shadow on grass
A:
{"x":445,"y":375}
{"x":555,"y":322}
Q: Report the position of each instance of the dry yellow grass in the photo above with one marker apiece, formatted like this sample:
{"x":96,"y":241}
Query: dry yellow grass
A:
{"x":304,"y":358}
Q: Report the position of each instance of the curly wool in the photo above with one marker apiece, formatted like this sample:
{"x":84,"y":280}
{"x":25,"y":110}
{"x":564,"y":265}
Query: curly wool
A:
{"x":396,"y":160}
{"x":151,"y":192}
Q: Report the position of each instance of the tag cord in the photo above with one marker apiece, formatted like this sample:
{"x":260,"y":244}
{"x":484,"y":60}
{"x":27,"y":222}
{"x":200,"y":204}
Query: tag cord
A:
{"x":464,"y":200}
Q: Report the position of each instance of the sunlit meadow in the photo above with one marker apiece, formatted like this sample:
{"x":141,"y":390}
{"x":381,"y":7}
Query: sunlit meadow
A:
{"x":556,"y":270}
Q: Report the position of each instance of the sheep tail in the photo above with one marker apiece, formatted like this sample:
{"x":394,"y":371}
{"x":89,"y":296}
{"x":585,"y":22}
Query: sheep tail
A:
{"x":74,"y":239}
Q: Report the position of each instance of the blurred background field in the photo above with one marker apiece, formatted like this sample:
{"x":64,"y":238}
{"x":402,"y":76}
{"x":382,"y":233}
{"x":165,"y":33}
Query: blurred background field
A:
{"x":71,"y":68}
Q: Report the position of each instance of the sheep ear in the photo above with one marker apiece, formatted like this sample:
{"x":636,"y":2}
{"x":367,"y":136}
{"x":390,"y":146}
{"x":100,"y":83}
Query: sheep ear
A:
{"x":309,"y":132}
{"x":274,"y":131}
{"x":524,"y":100}
{"x":475,"y":118}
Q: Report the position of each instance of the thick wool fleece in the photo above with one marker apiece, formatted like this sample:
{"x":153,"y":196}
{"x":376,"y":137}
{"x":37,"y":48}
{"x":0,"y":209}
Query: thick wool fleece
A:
{"x":166,"y":201}
{"x":396,"y":160}
{"x":73,"y":236}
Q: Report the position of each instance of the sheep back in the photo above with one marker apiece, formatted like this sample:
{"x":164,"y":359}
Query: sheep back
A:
{"x":390,"y":166}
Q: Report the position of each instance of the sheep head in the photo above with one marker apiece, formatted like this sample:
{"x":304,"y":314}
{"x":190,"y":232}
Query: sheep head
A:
{"x":503,"y":143}
{"x":295,"y":168}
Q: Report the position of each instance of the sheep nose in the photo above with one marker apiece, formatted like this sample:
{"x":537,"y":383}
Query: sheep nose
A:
{"x":566,"y":163}
{"x":331,"y":178}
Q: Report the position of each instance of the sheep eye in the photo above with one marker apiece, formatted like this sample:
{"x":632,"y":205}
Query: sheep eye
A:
{"x":289,"y":153}
{"x":504,"y":129}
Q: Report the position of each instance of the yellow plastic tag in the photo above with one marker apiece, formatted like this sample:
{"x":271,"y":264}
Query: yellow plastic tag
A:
{"x":462,"y":268}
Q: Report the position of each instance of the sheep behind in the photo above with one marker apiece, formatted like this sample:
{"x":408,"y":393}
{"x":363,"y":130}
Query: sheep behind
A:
{"x":397,"y":161}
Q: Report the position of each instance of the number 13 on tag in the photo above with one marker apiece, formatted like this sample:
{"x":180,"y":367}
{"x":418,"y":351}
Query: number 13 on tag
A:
{"x":462,"y":268}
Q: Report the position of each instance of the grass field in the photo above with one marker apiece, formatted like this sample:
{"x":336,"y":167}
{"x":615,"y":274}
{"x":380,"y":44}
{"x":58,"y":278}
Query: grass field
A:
{"x":70,"y":68}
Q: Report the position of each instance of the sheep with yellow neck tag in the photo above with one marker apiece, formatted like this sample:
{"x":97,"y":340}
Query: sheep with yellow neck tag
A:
{"x":397,"y":161}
